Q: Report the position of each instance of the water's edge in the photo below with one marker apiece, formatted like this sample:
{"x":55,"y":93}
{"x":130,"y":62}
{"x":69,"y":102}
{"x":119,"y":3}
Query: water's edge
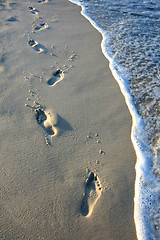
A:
{"x":145,"y":191}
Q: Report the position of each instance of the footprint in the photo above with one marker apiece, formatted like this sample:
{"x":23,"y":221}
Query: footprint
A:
{"x":3,"y":58}
{"x":37,"y":46}
{"x":42,"y":1}
{"x":39,"y":26}
{"x":93,"y":191}
{"x":46,"y":120}
{"x":33,"y":10}
{"x":56,"y":77}
{"x":2,"y":6}
{"x":12,"y":19}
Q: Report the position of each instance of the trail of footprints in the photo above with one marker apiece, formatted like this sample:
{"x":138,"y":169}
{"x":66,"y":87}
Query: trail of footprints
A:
{"x":38,"y":25}
{"x":47,"y":120}
{"x":44,"y":117}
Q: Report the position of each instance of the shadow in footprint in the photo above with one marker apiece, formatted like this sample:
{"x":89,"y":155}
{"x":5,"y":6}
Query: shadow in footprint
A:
{"x":2,"y":6}
{"x":93,"y":191}
{"x":33,"y":10}
{"x":3,"y":58}
{"x":40,"y":26}
{"x":52,"y":124}
{"x":12,"y":19}
{"x":44,"y":121}
{"x":42,"y":1}
{"x":56,"y":77}
{"x":37,"y":46}
{"x":62,"y":125}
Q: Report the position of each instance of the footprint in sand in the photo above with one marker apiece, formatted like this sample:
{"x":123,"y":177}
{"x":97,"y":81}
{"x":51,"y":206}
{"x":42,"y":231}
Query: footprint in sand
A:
{"x":12,"y":19}
{"x":46,"y":120}
{"x":56,"y":77}
{"x":33,"y":10}
{"x":42,"y":1}
{"x":93,"y":191}
{"x":37,"y":46}
{"x":39,"y":26}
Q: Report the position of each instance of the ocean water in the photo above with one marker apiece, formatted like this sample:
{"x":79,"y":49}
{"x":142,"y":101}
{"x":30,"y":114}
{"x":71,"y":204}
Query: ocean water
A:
{"x":131,"y":43}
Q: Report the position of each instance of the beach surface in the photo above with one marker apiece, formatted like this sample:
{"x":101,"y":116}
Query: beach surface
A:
{"x":67,"y":161}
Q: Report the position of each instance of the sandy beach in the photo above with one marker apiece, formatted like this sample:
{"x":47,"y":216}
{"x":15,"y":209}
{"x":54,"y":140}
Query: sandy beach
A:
{"x":67,"y":161}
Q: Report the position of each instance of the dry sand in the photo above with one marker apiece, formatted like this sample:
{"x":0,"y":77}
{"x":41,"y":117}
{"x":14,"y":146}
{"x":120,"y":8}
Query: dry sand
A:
{"x":67,"y":162}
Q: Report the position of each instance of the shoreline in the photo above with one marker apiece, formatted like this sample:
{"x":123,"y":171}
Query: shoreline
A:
{"x":49,"y":186}
{"x":143,"y":217}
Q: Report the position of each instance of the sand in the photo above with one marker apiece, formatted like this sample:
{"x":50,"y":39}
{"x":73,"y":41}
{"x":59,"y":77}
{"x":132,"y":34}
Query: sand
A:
{"x":67,"y":161}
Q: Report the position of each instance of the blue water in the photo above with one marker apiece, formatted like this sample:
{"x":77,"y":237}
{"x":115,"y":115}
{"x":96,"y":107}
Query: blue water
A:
{"x":131,"y":43}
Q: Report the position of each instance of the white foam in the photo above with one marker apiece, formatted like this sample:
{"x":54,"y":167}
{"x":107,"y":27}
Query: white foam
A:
{"x":147,"y":193}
